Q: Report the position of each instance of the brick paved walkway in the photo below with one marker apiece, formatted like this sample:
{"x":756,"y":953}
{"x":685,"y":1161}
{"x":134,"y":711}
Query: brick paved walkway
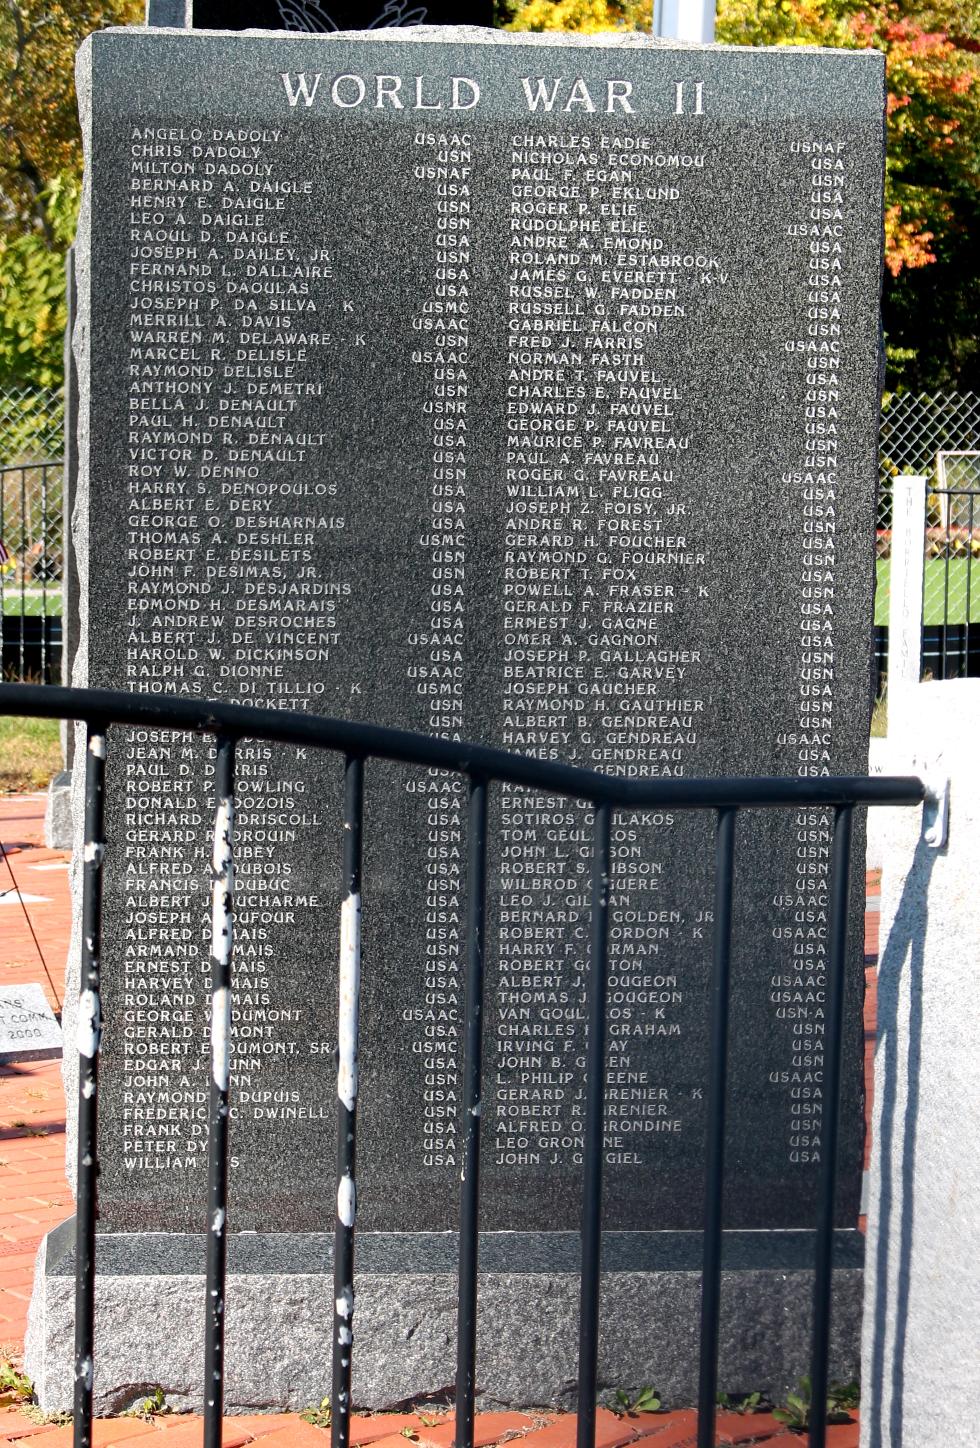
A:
{"x":34,"y":1197}
{"x":391,"y":1430}
{"x":33,"y":1193}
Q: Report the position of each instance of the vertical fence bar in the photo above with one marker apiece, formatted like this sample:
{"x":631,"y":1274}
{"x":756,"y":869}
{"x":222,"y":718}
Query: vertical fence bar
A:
{"x":222,"y":931}
{"x":347,"y":1039}
{"x":45,"y":555}
{"x":588,"y":1341}
{"x":824,"y":1260}
{"x":947,"y":544}
{"x":3,"y":576}
{"x":969,"y":578}
{"x":471,"y":1111}
{"x":23,"y":570}
{"x":715,"y":1141}
{"x":89,"y":1034}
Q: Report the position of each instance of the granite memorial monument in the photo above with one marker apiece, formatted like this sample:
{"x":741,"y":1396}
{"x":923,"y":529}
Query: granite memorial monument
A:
{"x":517,"y":388}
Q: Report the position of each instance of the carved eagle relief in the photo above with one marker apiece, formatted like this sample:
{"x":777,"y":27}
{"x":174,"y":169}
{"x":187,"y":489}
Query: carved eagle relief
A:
{"x":310,"y":17}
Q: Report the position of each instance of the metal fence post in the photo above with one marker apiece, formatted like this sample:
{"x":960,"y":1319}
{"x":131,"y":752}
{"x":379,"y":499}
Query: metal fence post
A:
{"x":907,"y":571}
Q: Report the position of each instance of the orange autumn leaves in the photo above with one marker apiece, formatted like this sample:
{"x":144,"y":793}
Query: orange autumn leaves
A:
{"x":932,"y":56}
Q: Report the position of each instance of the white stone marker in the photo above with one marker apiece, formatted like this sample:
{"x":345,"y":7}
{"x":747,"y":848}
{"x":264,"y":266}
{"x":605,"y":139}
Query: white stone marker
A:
{"x":28,"y":1029}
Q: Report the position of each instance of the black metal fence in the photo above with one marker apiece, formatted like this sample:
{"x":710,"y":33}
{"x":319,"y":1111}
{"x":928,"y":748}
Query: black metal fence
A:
{"x":951,"y":585}
{"x":482,"y":768}
{"x":31,"y":566}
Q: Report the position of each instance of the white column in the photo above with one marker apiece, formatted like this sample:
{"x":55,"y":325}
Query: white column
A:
{"x":907,"y":564}
{"x":692,"y":20}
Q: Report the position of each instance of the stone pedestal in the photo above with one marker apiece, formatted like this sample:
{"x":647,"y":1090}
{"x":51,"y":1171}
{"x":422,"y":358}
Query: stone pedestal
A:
{"x":57,"y":813}
{"x":150,"y":1306}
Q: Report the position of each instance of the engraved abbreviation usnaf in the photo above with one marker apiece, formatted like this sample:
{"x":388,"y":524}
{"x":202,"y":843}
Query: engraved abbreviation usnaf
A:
{"x":511,"y":401}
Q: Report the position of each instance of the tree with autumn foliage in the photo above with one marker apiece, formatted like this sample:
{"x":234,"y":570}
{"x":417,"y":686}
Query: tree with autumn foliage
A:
{"x":932,"y":216}
{"x":932,"y":187}
{"x":589,"y":17}
{"x":40,"y":173}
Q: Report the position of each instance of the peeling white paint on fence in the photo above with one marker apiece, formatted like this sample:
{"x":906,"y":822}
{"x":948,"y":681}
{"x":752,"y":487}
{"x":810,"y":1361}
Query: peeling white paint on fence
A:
{"x":350,"y":990}
{"x":222,"y":863}
{"x":89,"y":1026}
{"x":96,"y":746}
{"x":220,"y":1036}
{"x":224,"y":824}
{"x":346,"y":1200}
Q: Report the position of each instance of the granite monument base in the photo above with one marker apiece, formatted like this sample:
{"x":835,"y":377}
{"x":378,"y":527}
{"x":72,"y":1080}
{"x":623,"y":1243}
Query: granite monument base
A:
{"x":57,"y":813}
{"x":150,"y":1295}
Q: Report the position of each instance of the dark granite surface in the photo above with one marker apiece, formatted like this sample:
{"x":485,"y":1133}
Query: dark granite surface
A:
{"x":315,"y":16}
{"x":149,"y":1254}
{"x":552,"y":429}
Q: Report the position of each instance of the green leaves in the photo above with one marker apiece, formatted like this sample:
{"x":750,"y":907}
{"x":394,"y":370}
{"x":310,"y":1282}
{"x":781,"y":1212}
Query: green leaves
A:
{"x":750,"y":1403}
{"x":32,"y":293}
{"x":795,"y":1412}
{"x":842,"y":1399}
{"x":155,"y":1406}
{"x":15,"y":1386}
{"x":646,"y":1401}
{"x":318,"y":1415}
{"x":39,"y":133}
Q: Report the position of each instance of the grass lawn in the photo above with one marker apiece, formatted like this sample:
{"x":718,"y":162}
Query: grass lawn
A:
{"x":30,"y":754}
{"x":37,"y":600}
{"x":934,"y":589}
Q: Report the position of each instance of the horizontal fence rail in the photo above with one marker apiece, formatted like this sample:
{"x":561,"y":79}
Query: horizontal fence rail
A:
{"x":481,"y":767}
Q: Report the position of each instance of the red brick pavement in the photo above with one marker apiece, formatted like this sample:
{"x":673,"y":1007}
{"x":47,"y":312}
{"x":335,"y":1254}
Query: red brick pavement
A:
{"x":33,"y":1193}
{"x":283,"y":1430}
{"x":34,"y":1197}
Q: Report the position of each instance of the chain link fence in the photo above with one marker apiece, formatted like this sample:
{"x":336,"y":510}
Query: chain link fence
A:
{"x":32,"y":424}
{"x":937,"y":438}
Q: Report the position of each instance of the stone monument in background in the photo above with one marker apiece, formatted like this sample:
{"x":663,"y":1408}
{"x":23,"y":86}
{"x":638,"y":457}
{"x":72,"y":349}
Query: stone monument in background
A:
{"x":316,"y":17}
{"x":517,"y":388}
